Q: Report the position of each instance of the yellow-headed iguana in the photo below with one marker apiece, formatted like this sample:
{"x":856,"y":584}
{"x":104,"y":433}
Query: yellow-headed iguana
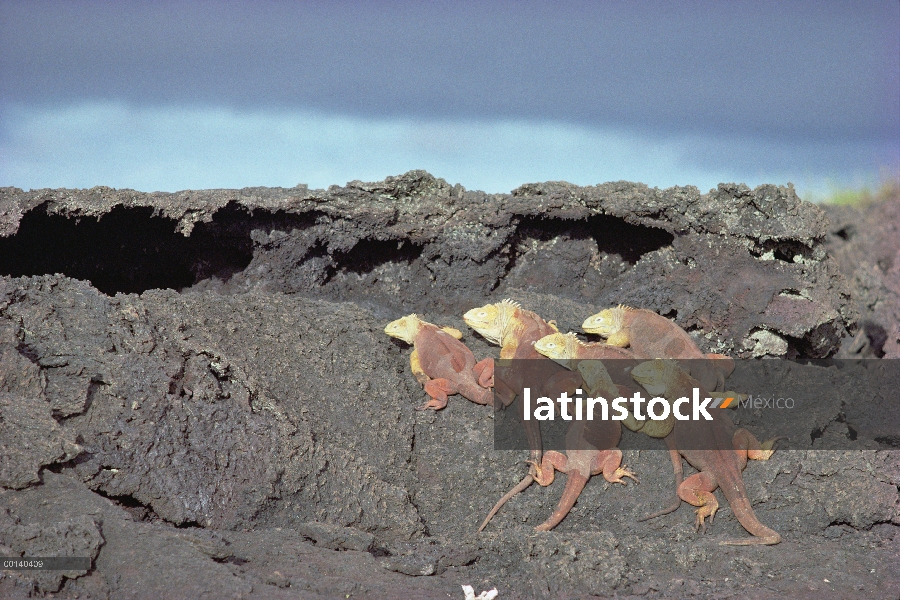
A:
{"x":442,"y":363}
{"x":650,"y":335}
{"x":716,"y":448}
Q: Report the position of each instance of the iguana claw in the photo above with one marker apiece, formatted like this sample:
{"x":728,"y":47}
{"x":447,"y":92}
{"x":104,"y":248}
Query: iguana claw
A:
{"x":620,"y":473}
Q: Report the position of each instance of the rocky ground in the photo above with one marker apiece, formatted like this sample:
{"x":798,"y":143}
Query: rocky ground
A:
{"x":195,"y":390}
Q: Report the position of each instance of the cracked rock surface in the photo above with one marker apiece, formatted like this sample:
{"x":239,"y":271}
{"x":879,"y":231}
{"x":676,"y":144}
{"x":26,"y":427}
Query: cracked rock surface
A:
{"x":198,"y":384}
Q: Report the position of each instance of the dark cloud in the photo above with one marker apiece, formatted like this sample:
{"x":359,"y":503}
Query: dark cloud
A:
{"x":811,"y":71}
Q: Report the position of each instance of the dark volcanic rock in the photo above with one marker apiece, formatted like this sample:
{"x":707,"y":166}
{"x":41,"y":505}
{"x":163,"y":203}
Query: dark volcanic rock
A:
{"x":746,"y":270}
{"x":203,"y":427}
{"x":29,"y":440}
{"x":204,"y":384}
{"x":865,"y":242}
{"x":77,"y":536}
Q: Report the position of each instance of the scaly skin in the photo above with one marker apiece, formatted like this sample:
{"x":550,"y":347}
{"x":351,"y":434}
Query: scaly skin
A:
{"x":515,"y":330}
{"x":511,"y":327}
{"x":720,"y":467}
{"x":568,"y":350}
{"x":650,"y":335}
{"x":580,"y":461}
{"x":590,"y":448}
{"x":443,"y":364}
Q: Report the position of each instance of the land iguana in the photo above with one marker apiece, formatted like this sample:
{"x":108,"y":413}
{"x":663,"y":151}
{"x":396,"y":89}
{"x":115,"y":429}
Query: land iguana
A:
{"x":515,"y":330}
{"x":443,"y":364}
{"x":650,"y":335}
{"x":718,"y":467}
{"x":590,"y":449}
{"x":568,"y":350}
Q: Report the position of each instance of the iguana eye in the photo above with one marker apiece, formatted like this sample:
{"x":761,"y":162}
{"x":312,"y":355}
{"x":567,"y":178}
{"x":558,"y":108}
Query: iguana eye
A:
{"x":482,"y":314}
{"x":551,"y":345}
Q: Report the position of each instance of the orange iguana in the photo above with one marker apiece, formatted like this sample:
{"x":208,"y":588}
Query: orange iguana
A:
{"x":650,"y":335}
{"x":442,"y":363}
{"x":515,"y":330}
{"x":512,"y":328}
{"x":590,"y":449}
{"x":720,"y":466}
{"x":568,"y":350}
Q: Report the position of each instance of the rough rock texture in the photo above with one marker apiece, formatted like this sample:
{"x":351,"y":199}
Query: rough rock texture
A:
{"x":725,"y":265}
{"x":206,"y":384}
{"x":865,"y":242}
{"x":29,"y":440}
{"x":75,"y":535}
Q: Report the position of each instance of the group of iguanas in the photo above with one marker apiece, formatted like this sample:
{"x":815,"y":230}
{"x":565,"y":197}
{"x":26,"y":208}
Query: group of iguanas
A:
{"x":641,"y":346}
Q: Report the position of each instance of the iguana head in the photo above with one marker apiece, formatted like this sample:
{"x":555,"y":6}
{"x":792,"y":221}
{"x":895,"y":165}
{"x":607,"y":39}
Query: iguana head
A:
{"x":405,"y":328}
{"x":606,"y":322}
{"x":492,"y":321}
{"x":654,"y":375}
{"x":597,"y":378}
{"x":557,"y":346}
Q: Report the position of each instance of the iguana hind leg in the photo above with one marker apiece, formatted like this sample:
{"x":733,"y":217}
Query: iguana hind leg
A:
{"x":697,"y":490}
{"x":551,"y":462}
{"x":484,"y":372}
{"x":575,"y":482}
{"x":609,"y":462}
{"x":438,"y":389}
{"x":575,"y":467}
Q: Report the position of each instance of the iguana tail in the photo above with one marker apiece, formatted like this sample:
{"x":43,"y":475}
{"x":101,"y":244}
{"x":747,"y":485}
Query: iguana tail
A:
{"x":478,"y":394}
{"x":736,"y":494}
{"x":486,"y":397}
{"x":575,"y":483}
{"x":519,"y":487}
{"x":679,"y":477}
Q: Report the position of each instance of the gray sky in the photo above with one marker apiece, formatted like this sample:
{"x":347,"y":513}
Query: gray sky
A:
{"x":488,"y":94}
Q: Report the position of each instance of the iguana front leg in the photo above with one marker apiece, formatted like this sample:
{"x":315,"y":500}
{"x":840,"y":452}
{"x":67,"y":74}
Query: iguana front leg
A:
{"x":453,"y":332}
{"x":697,"y":490}
{"x":416,"y":368}
{"x":619,"y":339}
{"x":439,"y":390}
{"x":747,"y":446}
